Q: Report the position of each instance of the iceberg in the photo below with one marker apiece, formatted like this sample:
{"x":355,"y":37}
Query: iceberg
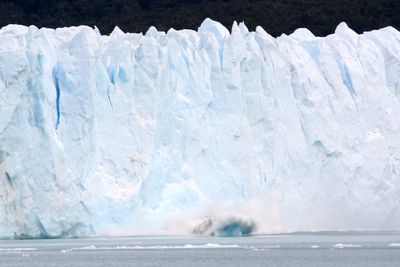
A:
{"x":151,"y":133}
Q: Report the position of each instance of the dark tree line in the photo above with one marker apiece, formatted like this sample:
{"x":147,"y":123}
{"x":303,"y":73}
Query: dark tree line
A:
{"x":275,"y":16}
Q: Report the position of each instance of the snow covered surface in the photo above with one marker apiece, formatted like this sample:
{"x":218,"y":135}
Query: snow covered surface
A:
{"x":150,"y":134}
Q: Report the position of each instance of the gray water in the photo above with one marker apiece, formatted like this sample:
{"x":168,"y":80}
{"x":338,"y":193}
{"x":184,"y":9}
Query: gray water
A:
{"x":306,"y":249}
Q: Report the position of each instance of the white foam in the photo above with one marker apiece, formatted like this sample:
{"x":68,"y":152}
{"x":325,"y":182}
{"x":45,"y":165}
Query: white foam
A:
{"x":80,"y":248}
{"x":211,"y":245}
{"x":258,"y":249}
{"x":272,"y":246}
{"x":186,"y":246}
{"x":314,"y":246}
{"x":18,"y":249}
{"x":394,"y":245}
{"x":341,"y":245}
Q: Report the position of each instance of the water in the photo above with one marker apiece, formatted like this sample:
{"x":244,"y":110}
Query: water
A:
{"x":307,"y":249}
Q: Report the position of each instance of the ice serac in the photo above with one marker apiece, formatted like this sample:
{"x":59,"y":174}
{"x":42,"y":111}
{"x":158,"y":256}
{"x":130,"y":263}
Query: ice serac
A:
{"x":161,"y":132}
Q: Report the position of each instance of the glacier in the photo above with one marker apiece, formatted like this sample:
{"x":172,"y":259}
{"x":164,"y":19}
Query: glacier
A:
{"x":155,"y":133}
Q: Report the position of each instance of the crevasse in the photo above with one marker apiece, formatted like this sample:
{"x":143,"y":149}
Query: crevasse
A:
{"x":145,"y":134}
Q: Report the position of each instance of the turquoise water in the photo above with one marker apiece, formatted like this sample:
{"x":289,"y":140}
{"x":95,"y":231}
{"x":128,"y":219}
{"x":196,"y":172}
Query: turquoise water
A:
{"x":306,"y":249}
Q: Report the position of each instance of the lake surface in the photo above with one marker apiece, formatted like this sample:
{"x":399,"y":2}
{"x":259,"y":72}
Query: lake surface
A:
{"x":306,"y":249}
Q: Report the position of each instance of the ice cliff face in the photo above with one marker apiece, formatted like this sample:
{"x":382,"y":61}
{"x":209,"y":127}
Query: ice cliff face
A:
{"x":133,"y":133}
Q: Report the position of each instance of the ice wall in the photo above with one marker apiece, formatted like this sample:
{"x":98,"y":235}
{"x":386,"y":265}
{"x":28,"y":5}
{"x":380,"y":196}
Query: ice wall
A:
{"x":133,"y":133}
